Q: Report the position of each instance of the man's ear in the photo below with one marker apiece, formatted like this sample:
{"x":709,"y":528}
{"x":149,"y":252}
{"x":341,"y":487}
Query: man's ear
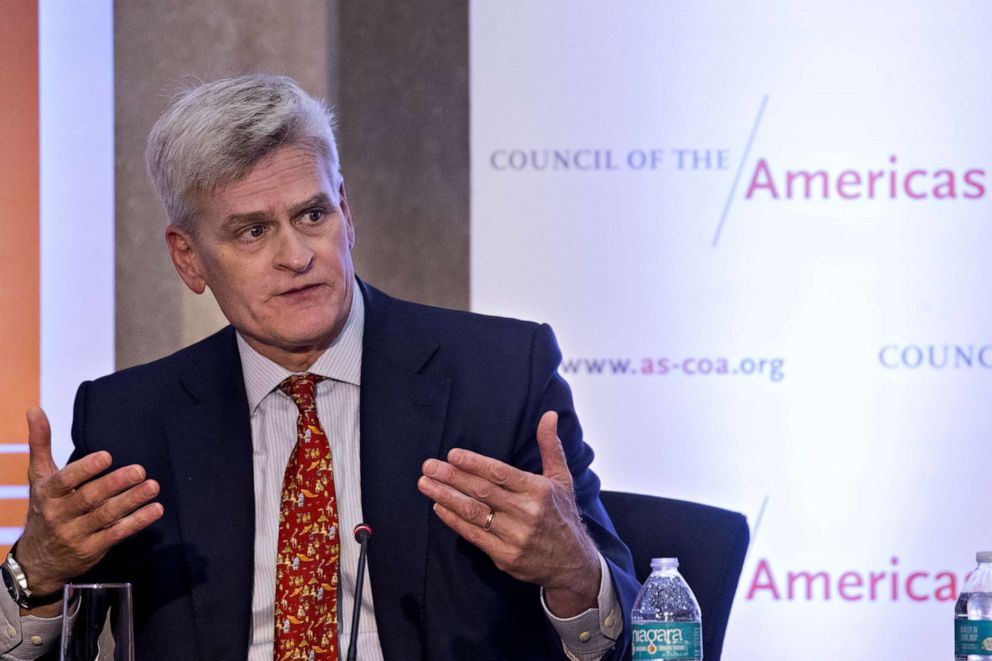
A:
{"x":185,"y":259}
{"x":346,"y":212}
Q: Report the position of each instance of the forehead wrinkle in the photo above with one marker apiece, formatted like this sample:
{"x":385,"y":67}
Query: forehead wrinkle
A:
{"x":268,"y":182}
{"x":261,"y":190}
{"x":273,"y":178}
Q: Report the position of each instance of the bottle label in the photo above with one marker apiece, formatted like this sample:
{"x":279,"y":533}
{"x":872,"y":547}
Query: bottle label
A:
{"x":667,"y":640}
{"x":973,"y":637}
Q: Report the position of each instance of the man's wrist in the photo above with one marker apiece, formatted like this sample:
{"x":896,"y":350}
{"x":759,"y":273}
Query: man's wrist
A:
{"x":577,"y":595}
{"x":565,"y":604}
{"x":590,"y":635}
{"x":29,"y":594}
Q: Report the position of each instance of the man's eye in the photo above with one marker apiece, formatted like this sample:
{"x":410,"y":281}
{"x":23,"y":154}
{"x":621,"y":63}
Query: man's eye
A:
{"x":255,"y":231}
{"x":315,"y":215}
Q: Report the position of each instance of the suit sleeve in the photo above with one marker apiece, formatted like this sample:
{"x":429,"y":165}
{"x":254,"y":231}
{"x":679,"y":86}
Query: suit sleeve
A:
{"x":548,"y":391}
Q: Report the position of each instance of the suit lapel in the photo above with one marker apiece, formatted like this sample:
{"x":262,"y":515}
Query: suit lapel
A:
{"x":402,"y":420}
{"x":211,"y":455}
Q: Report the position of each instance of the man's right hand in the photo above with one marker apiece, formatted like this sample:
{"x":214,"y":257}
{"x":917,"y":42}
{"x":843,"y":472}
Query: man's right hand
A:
{"x":74,"y":519}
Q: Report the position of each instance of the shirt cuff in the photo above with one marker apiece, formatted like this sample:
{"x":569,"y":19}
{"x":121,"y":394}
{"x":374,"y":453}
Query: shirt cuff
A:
{"x":25,"y":636}
{"x":590,"y":635}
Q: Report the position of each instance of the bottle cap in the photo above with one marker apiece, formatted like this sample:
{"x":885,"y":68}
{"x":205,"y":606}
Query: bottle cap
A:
{"x":664,"y":563}
{"x":981,"y":556}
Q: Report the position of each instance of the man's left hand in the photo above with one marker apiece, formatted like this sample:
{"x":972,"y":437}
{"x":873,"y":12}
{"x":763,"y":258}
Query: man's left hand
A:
{"x":527,"y":523}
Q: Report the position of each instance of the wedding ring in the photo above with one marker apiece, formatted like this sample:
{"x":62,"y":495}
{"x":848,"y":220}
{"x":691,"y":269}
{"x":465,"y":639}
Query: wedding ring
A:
{"x":489,"y":520}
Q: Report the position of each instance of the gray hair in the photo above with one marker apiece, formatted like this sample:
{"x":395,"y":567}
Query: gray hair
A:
{"x":214,"y":134}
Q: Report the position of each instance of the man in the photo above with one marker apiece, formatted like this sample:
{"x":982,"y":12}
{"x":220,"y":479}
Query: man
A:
{"x":216,"y":480}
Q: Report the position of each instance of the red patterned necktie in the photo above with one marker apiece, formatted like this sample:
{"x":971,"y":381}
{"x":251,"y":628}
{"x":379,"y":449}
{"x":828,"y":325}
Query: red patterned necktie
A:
{"x":308,"y":552}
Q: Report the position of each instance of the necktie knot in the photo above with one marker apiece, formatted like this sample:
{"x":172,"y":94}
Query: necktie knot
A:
{"x":301,"y":389}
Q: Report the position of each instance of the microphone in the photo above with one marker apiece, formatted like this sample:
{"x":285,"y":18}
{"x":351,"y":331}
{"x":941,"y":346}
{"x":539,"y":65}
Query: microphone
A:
{"x":362,"y":534}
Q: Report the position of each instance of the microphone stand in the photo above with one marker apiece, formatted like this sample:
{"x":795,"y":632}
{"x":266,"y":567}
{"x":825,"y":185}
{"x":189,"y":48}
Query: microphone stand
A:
{"x":362,"y":534}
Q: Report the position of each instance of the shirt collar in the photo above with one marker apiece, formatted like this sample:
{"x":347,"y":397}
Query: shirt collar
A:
{"x":341,"y":361}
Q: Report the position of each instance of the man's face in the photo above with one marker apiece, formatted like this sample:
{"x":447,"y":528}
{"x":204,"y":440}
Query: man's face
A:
{"x":275,"y":250}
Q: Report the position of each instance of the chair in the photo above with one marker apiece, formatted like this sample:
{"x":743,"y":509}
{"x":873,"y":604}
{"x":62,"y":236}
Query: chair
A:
{"x":709,"y":542}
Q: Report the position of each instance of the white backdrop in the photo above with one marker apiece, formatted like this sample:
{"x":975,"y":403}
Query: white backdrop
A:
{"x":76,"y":94}
{"x":762,"y":233}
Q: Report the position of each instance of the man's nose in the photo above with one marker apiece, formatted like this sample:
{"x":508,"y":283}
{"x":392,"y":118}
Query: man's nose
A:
{"x":294,"y":252}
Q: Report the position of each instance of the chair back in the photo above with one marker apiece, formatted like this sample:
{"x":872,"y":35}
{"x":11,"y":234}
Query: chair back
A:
{"x":709,"y":542}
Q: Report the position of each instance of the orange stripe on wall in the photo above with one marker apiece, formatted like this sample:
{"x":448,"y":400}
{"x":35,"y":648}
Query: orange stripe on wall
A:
{"x":20,"y":309}
{"x":12,"y":513}
{"x":13,"y":469}
{"x":19,"y":201}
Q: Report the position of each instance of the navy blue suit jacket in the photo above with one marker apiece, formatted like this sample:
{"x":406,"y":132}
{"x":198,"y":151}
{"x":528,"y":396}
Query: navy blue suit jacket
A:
{"x":432,"y":380}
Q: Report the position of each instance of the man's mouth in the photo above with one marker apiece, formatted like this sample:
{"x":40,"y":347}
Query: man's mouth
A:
{"x":296,"y":291}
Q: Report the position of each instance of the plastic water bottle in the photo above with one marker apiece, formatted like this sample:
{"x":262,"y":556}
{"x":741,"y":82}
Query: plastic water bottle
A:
{"x":666,"y":620}
{"x":973,"y":614}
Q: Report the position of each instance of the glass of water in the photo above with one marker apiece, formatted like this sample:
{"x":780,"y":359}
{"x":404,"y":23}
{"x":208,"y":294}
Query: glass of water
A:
{"x":96,"y":622}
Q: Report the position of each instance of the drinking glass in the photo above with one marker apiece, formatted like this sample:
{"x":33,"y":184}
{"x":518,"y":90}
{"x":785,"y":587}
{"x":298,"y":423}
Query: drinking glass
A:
{"x":96,"y":622}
